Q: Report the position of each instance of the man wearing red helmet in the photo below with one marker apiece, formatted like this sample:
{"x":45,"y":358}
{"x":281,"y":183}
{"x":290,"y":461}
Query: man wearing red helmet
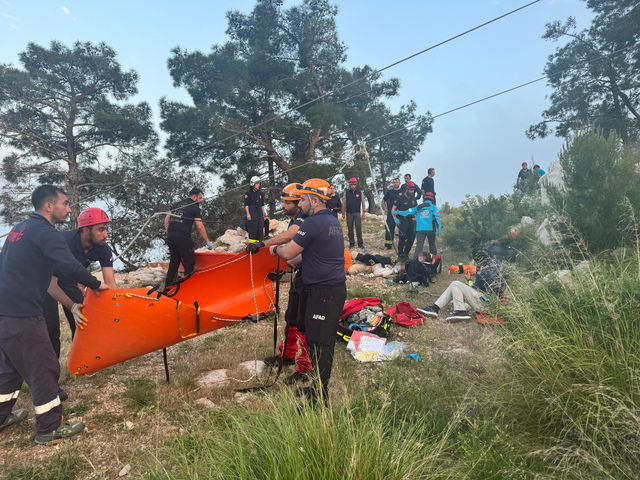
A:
{"x":87,"y":244}
{"x":319,"y":245}
{"x":353,"y":206}
{"x":524,"y":173}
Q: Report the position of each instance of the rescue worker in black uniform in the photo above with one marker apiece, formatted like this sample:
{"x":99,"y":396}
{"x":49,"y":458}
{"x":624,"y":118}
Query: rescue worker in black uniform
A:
{"x":319,"y":245}
{"x":254,"y":207}
{"x":295,"y":350}
{"x":34,"y":249}
{"x":387,"y":204}
{"x":428,"y":185}
{"x":87,"y":244}
{"x":178,"y":225}
{"x":406,"y":224}
{"x":354,"y":207}
{"x":334,"y":204}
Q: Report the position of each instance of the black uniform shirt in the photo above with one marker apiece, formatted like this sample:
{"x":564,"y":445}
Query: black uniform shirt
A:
{"x":354,"y":201}
{"x":389,"y":198}
{"x":183,"y":213}
{"x":323,"y":257}
{"x":32,"y":249}
{"x":334,"y":204}
{"x":404,"y":203}
{"x":97,"y":253}
{"x":428,"y":186}
{"x":255,"y":201}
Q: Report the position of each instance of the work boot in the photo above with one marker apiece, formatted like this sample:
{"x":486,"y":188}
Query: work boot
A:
{"x":65,"y":430}
{"x":62,"y":394}
{"x":297,"y":377}
{"x":14,"y":418}
{"x":274,"y":361}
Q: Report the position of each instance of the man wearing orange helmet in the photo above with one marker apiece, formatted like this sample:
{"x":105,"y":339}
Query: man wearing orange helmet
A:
{"x":296,"y":340}
{"x":87,"y":244}
{"x":353,"y":206}
{"x":319,"y":246}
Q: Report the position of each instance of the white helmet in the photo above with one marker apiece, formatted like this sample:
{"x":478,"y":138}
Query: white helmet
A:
{"x":255,"y":179}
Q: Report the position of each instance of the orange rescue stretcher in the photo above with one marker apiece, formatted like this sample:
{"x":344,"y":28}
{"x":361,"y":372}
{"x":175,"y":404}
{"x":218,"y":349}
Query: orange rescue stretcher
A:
{"x":129,"y":322}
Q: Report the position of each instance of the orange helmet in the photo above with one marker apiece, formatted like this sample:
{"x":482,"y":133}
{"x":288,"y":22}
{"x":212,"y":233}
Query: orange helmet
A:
{"x":316,"y":186}
{"x":92,"y":216}
{"x":290,"y":192}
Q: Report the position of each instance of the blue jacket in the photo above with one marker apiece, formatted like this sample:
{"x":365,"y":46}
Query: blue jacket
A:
{"x":425,"y":214}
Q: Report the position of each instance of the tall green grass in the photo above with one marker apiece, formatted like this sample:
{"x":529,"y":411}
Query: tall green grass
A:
{"x":572,"y":353}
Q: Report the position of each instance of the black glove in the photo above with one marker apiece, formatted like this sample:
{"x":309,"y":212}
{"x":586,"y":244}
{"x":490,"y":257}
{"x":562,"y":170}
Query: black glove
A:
{"x":253,"y":247}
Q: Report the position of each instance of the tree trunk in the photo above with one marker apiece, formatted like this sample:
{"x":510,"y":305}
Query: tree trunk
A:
{"x":272,"y":187}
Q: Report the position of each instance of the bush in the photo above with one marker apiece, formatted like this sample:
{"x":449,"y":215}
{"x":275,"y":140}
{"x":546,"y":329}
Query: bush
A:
{"x":478,"y":221}
{"x":599,"y":174}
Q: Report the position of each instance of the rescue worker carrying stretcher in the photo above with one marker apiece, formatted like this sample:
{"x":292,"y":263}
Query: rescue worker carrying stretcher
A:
{"x":319,"y":246}
{"x":87,"y":244}
{"x":33,"y":249}
{"x":295,"y":350}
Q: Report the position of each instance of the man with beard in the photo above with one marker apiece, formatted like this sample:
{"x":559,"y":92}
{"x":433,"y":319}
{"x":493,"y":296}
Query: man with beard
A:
{"x":296,"y":340}
{"x":33,"y":249}
{"x":319,"y":246}
{"x":87,"y":244}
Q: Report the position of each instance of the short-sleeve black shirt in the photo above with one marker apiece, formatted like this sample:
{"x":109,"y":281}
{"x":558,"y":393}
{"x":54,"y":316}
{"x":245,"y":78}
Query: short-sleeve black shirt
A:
{"x":404,"y":203}
{"x":254,"y":199}
{"x":183,"y":213}
{"x":389,"y":198}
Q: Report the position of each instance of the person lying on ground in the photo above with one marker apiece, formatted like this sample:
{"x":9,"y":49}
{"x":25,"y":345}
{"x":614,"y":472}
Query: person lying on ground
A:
{"x":491,"y":279}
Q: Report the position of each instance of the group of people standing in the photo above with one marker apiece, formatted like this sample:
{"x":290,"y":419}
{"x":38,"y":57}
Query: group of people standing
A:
{"x":401,"y":204}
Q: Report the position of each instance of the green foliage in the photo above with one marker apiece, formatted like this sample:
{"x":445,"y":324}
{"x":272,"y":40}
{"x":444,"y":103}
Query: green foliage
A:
{"x":281,"y":59}
{"x":478,"y":220}
{"x":599,"y":174}
{"x":141,"y":393}
{"x":60,"y":115}
{"x":595,"y":76}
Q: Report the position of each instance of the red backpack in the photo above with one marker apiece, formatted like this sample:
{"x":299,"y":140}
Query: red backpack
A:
{"x":405,"y":315}
{"x":346,"y":327}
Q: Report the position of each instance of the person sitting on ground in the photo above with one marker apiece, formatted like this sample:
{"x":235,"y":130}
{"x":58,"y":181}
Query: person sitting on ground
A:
{"x":490,"y":280}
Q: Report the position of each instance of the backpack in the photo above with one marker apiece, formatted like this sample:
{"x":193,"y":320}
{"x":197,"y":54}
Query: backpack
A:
{"x":420,"y":272}
{"x":363,"y":314}
{"x":405,"y":315}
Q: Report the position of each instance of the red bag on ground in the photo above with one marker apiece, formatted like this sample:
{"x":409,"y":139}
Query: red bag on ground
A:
{"x":405,"y":315}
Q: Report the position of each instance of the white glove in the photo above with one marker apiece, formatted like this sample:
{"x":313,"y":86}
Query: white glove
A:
{"x":81,"y":322}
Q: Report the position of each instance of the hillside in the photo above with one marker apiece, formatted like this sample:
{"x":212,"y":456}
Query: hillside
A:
{"x":130,"y":411}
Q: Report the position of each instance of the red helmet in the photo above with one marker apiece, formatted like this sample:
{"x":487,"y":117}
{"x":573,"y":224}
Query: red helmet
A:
{"x":92,"y":216}
{"x":290,"y":192}
{"x":429,"y":196}
{"x":411,"y":185}
{"x":353,"y":181}
{"x":524,"y":164}
{"x":316,"y":186}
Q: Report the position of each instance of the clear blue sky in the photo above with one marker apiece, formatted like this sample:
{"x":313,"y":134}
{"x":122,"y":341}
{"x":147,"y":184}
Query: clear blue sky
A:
{"x":477,"y":150}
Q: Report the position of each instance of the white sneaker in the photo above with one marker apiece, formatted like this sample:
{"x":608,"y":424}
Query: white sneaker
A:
{"x":458,"y":316}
